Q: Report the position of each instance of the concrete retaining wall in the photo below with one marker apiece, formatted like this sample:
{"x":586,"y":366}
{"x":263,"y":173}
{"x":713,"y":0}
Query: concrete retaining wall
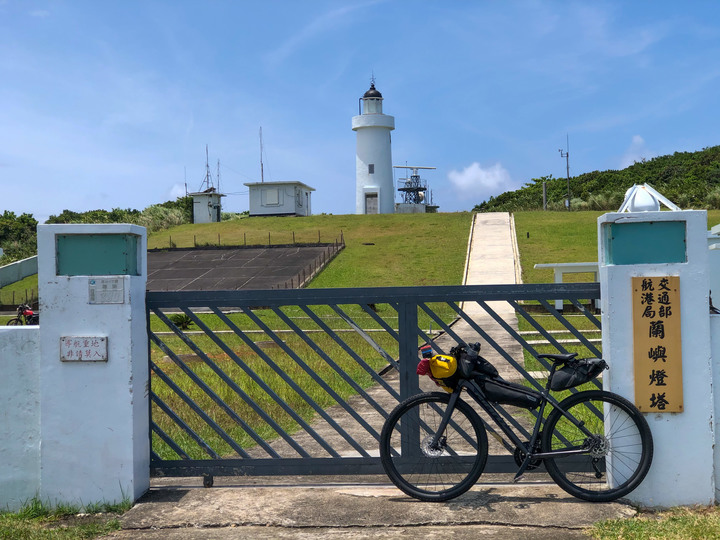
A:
{"x":18,"y":270}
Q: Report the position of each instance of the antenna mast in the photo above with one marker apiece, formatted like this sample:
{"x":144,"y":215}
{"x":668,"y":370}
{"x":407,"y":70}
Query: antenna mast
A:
{"x":208,"y":178}
{"x":566,"y":155}
{"x":218,"y":176}
{"x":262,"y":173}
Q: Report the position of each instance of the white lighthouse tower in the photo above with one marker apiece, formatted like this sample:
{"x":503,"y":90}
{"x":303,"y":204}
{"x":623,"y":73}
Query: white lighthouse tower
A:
{"x":374,"y":193}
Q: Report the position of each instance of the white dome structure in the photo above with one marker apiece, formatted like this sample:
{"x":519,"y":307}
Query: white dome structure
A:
{"x":374,"y":192}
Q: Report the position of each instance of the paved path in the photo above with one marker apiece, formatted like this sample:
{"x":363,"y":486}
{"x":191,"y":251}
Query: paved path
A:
{"x":370,"y":507}
{"x":492,"y":260}
{"x":268,"y":508}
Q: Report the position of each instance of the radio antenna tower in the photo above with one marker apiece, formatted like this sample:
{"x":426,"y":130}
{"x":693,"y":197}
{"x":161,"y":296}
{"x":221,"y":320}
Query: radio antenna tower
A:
{"x":413,"y":192}
{"x":207,"y":182}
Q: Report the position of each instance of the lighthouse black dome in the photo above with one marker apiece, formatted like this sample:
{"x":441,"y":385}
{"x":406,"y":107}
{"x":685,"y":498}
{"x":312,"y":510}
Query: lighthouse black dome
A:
{"x":372,"y":93}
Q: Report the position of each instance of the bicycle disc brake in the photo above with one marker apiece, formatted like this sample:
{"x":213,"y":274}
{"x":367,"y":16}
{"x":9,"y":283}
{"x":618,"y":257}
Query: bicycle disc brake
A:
{"x":431,"y":451}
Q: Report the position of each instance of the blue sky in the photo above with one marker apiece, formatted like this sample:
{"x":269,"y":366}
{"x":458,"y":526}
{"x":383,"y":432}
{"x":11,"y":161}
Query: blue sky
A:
{"x":110,"y":104}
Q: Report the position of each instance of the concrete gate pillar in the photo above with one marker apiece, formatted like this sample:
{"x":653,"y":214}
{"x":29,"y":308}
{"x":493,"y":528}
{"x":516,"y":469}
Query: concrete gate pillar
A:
{"x":653,"y":270}
{"x":94,"y":363}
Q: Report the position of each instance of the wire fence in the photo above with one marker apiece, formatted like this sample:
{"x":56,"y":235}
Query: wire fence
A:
{"x":9,"y":300}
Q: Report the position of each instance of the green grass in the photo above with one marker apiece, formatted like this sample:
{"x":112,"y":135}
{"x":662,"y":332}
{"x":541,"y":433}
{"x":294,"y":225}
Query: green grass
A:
{"x":20,"y":292}
{"x":554,"y":237}
{"x":40,"y":521}
{"x":381,"y":250}
{"x":673,"y":524}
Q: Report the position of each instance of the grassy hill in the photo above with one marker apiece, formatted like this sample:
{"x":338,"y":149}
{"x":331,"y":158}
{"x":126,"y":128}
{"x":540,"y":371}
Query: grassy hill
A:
{"x":689,"y":179}
{"x":393,"y":250}
{"x":381,"y":250}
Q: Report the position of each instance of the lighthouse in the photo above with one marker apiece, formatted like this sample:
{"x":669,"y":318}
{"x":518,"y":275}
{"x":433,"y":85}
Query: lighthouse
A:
{"x":374,"y":193}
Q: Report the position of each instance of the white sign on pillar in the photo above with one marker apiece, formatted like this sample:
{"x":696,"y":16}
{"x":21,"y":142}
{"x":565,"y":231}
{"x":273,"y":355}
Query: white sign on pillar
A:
{"x":666,"y":252}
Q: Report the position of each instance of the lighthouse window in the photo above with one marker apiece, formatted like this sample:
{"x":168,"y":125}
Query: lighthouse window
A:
{"x":371,"y":168}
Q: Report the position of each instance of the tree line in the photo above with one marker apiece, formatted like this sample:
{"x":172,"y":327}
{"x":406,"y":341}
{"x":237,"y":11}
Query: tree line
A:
{"x":18,"y":234}
{"x":689,"y":179}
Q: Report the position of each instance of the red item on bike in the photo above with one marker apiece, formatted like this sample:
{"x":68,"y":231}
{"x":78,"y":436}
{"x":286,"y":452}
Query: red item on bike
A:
{"x":423,"y":368}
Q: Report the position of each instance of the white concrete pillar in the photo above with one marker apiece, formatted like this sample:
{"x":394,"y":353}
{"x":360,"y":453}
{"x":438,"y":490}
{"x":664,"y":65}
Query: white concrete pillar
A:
{"x":19,"y":415}
{"x":656,"y":244}
{"x":94,"y":364}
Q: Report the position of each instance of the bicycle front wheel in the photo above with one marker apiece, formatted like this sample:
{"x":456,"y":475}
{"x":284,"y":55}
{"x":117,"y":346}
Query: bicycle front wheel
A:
{"x":616,"y":440}
{"x":433,"y":472}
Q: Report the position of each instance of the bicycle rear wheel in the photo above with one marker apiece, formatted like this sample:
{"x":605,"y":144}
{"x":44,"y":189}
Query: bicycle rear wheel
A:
{"x":432,"y":473}
{"x":618,"y":454}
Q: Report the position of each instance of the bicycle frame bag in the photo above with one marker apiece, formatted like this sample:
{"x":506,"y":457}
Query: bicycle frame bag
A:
{"x":503,"y":392}
{"x":576,"y":372}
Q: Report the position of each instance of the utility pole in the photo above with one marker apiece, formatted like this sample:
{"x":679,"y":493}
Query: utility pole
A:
{"x":566,"y":155}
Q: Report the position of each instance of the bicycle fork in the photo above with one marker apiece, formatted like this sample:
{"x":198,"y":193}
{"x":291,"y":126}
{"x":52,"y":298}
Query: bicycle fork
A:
{"x":439,"y":434}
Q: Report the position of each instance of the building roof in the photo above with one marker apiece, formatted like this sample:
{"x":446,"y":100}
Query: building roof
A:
{"x":372,"y":92}
{"x":290,"y":182}
{"x":209,"y":191}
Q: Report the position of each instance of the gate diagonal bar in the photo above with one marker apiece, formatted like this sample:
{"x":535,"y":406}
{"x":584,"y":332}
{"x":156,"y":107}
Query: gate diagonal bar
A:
{"x":301,"y":381}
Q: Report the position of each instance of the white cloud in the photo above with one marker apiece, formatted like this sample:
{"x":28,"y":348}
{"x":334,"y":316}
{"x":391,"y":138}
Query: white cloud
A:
{"x":476,"y":181}
{"x":41,"y":13}
{"x":637,"y":151}
{"x":177,"y":190}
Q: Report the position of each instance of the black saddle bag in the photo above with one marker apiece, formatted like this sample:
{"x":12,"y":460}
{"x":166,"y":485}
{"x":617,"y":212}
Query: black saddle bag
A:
{"x":507,"y":393}
{"x":576,"y":372}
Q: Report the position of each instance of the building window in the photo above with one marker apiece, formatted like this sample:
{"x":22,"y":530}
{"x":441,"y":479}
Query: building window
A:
{"x":271,"y":197}
{"x":371,"y":168}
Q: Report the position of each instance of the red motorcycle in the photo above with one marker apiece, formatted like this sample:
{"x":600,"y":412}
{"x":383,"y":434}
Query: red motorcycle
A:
{"x":25,"y":315}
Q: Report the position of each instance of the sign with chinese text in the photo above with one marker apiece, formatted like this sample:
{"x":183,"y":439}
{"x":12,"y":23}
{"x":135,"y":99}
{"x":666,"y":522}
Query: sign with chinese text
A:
{"x":657,"y":344}
{"x":83,"y":349}
{"x":106,"y":291}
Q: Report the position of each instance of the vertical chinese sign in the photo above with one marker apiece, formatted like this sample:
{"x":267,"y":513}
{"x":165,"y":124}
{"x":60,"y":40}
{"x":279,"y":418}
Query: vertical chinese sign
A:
{"x":657,"y":344}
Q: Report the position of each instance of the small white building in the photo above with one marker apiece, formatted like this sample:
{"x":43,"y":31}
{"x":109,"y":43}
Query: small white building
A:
{"x":280,"y":199}
{"x":207,"y":207}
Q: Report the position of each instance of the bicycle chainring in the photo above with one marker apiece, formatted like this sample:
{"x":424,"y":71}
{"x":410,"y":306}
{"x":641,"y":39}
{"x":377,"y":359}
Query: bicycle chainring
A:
{"x":520,"y":456}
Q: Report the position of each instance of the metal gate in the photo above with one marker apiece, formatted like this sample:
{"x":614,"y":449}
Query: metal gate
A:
{"x":299,"y":382}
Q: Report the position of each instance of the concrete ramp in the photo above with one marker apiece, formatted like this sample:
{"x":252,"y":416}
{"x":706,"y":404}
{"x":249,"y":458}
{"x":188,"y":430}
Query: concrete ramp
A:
{"x":492,"y":260}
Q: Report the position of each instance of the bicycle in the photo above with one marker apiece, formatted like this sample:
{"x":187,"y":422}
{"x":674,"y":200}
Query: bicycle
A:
{"x":25,"y":315}
{"x":594,"y":444}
